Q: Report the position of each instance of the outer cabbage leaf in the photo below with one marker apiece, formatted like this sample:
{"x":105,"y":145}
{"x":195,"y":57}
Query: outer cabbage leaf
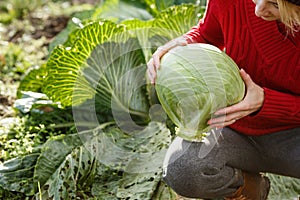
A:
{"x":17,"y":174}
{"x":283,"y":187}
{"x":33,"y":80}
{"x":118,"y":10}
{"x":116,"y":165}
{"x":65,"y":63}
{"x":78,"y":20}
{"x":193,"y":82}
{"x":116,"y":72}
{"x":136,"y":158}
{"x":72,"y":177}
{"x":168,"y":24}
{"x":144,"y":31}
{"x":114,"y":10}
{"x":164,"y":192}
{"x":53,"y":154}
{"x":157,"y":6}
{"x":177,"y":20}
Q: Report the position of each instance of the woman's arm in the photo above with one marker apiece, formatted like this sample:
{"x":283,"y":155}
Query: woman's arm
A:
{"x":281,"y":107}
{"x":208,"y":29}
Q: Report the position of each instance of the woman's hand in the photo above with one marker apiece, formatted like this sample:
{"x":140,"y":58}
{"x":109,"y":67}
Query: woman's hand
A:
{"x":154,"y":62}
{"x":251,"y":103}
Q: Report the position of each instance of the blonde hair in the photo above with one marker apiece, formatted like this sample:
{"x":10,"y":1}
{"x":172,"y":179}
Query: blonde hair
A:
{"x":289,"y":15}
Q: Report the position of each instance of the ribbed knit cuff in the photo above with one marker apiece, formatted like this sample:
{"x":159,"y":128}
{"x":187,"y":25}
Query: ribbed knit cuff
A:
{"x":188,"y":38}
{"x":279,"y":105}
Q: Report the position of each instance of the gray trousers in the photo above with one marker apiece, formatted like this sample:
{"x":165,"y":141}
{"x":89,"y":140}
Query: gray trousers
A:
{"x":212,"y":168}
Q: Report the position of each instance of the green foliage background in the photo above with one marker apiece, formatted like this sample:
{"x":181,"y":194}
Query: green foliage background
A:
{"x":60,"y":157}
{"x":56,"y":148}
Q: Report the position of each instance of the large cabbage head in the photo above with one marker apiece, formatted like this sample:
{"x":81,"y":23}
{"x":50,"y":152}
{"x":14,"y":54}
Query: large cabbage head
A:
{"x":192,"y":83}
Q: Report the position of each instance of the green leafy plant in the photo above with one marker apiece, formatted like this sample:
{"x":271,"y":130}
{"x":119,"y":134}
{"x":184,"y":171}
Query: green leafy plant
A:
{"x":283,"y":187}
{"x":113,"y":10}
{"x":69,"y":164}
{"x":118,"y":155}
{"x":70,"y":60}
{"x":111,"y":142}
{"x":159,"y":6}
{"x":32,"y":80}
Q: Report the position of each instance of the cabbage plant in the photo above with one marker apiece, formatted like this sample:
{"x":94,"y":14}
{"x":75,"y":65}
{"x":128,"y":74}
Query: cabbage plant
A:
{"x":193,"y":82}
{"x":99,"y":70}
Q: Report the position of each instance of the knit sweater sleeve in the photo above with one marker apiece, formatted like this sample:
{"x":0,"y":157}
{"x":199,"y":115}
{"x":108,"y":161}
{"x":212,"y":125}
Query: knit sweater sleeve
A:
{"x":281,"y":107}
{"x":208,"y":30}
{"x":280,"y":111}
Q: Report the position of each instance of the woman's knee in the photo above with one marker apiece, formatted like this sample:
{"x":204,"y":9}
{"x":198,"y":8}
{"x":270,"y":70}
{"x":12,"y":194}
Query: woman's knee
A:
{"x":191,"y":176}
{"x":185,"y":180}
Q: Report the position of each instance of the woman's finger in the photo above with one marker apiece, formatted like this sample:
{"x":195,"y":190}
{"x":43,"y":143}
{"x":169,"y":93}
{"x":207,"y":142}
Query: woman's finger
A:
{"x":223,"y":119}
{"x":151,"y":71}
{"x":154,"y":63}
{"x":223,"y":124}
{"x":246,"y":78}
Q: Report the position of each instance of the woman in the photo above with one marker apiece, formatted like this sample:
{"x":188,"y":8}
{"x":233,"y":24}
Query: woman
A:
{"x":262,"y":132}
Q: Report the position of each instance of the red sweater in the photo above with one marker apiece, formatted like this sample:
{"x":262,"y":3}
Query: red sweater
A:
{"x":271,"y":58}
